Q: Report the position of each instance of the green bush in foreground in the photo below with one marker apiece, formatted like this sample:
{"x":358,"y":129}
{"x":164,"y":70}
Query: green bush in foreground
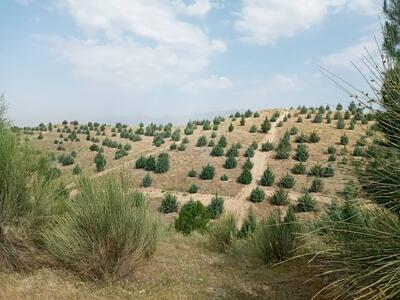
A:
{"x":287,"y":181}
{"x":268,"y":177}
{"x":169,"y":204}
{"x":147,"y":181}
{"x":224,"y":177}
{"x":279,"y":197}
{"x":245,"y":177}
{"x":299,"y":169}
{"x":257,"y":195}
{"x":216,"y":207}
{"x":100,"y":162}
{"x":305,"y":203}
{"x":317,"y":186}
{"x":192,"y":216}
{"x":103,"y":229}
{"x":193,"y":189}
{"x":208,"y":172}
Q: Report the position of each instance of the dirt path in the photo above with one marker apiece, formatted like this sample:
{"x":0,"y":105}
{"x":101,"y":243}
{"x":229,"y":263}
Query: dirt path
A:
{"x":259,"y":159}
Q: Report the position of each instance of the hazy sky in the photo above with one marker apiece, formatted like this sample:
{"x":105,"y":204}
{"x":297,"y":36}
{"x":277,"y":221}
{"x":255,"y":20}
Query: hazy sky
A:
{"x":138,"y":59}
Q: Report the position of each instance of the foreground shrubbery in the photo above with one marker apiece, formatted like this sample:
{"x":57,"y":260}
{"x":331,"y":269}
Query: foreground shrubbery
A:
{"x":104,"y":232}
{"x":29,"y":196}
{"x":275,"y":238}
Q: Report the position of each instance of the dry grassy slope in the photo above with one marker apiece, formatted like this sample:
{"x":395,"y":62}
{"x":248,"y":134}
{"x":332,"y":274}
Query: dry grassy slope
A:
{"x":235,"y":194}
{"x":182,"y":268}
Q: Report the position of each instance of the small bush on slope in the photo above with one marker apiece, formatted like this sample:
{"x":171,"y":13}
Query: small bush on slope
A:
{"x":305,"y":203}
{"x":192,"y":216}
{"x":216,"y":207}
{"x":169,"y":204}
{"x":104,"y":232}
{"x":268,"y":177}
{"x":208,"y":172}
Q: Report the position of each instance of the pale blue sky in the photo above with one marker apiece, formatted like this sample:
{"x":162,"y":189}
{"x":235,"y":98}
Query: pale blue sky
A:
{"x":134,"y":60}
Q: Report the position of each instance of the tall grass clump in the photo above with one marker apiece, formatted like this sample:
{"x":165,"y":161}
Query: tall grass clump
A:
{"x":104,"y":231}
{"x":364,"y":241}
{"x":29,"y":195}
{"x":275,"y":238}
{"x":223,"y":233}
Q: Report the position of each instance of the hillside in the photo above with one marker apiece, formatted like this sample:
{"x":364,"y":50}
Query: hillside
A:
{"x":176,"y":179}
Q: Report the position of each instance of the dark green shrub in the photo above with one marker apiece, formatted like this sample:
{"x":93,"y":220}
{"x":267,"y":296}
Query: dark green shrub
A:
{"x":253,"y":129}
{"x":181,"y":147}
{"x":208,"y":172}
{"x":233,"y":151}
{"x":299,"y":169}
{"x":318,"y":118}
{"x":314,"y":137}
{"x":211,"y":143}
{"x":230,"y":163}
{"x":150,"y":164}
{"x":302,"y":153}
{"x":192,"y":173}
{"x":249,"y":152}
{"x":216,"y":207}
{"x":257,"y":195}
{"x":344,"y":140}
{"x":173,"y":146}
{"x":100,"y":162}
{"x":224,"y":177}
{"x":176,"y":135}
{"x":202,"y":141}
{"x":248,"y":164}
{"x":358,"y":151}
{"x":287,"y":181}
{"x":147,"y":181}
{"x":245,"y":177}
{"x":230,"y":128}
{"x":140,"y":162}
{"x":266,"y":125}
{"x":66,"y":160}
{"x":222,"y":142}
{"x":340,"y":124}
{"x":332,"y":149}
{"x":266,"y":147}
{"x":279,"y":197}
{"x":162,"y":163}
{"x":293,"y":130}
{"x":302,"y":138}
{"x":306,"y":203}
{"x":193,"y":189}
{"x":120,"y":153}
{"x":317,"y":186}
{"x":192,"y":216}
{"x":169,"y":204}
{"x":299,"y":120}
{"x":217,"y":151}
{"x":268,"y":177}
{"x":76,"y":170}
{"x":317,"y":170}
